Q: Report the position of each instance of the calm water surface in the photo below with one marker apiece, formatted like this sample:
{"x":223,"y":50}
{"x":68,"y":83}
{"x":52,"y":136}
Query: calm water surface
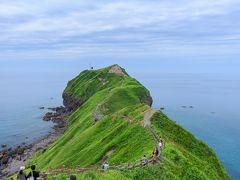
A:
{"x":215,"y":116}
{"x":21,"y":95}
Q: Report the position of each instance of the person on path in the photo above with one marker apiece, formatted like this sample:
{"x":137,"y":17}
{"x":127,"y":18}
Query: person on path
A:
{"x":73,"y":177}
{"x":105,"y":166}
{"x":144,"y":160}
{"x":33,"y":174}
{"x":160,"y":145}
{"x":156,"y":151}
{"x":154,"y":158}
{"x":21,"y":174}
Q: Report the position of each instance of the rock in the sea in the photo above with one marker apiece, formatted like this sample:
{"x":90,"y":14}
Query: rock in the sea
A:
{"x":52,"y":109}
{"x":162,"y":108}
{"x":3,"y":145}
{"x":41,"y":107}
{"x":23,"y":152}
{"x":20,"y":151}
{"x":4,"y":160}
{"x":59,"y":110}
{"x":56,"y":108}
{"x":48,"y":116}
{"x":58,"y":119}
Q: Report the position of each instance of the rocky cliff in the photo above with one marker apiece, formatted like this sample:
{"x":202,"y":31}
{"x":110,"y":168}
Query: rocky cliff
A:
{"x":111,"y":119}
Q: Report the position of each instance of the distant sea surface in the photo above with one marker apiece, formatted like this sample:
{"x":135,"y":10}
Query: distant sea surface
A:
{"x":21,"y":96}
{"x":214,"y":116}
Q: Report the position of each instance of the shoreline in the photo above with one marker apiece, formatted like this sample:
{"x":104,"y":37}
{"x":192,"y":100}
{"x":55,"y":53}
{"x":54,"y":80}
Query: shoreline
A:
{"x":12,"y":158}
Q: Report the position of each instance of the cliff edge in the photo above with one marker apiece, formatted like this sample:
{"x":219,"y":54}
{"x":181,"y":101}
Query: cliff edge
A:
{"x":108,"y":122}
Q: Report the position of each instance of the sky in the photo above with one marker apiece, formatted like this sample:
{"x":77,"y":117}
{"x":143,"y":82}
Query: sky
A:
{"x":73,"y":29}
{"x":144,"y":36}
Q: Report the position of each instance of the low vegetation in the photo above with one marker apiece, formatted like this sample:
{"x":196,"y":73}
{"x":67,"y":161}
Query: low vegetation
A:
{"x":108,"y":126}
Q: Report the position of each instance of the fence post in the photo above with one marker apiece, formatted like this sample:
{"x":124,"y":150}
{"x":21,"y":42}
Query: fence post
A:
{"x":62,"y":168}
{"x":45,"y":176}
{"x":134,"y":163}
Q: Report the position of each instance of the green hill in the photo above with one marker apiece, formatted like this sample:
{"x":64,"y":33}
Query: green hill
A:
{"x":107,"y":122}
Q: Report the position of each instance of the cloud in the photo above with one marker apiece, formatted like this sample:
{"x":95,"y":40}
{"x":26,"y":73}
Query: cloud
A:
{"x":13,"y":10}
{"x":93,"y":27}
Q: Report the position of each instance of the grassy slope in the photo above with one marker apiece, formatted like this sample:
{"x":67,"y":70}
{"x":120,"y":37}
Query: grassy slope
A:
{"x":188,"y":157}
{"x":86,"y":142}
{"x":120,"y":99}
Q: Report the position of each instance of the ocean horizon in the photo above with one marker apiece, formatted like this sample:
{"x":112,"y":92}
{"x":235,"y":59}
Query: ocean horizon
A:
{"x":186,"y":53}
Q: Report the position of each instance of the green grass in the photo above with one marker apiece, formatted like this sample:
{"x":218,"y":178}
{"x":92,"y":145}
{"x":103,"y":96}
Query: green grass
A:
{"x":121,"y":101}
{"x":192,"y":157}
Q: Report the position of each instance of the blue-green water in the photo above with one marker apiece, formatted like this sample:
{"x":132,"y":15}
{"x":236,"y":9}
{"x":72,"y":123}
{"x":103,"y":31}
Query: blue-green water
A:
{"x":215,"y":98}
{"x":214,"y":118}
{"x":21,"y":96}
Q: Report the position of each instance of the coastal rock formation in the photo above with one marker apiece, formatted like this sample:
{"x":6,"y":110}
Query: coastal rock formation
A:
{"x":70,"y":102}
{"x":116,"y":69}
{"x":127,"y":130}
{"x":57,"y":114}
{"x":148,"y":100}
{"x":3,"y":146}
{"x":48,"y":116}
{"x":12,"y":158}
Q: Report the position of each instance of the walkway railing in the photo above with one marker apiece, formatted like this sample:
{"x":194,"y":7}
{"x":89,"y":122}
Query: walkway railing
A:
{"x":120,"y":167}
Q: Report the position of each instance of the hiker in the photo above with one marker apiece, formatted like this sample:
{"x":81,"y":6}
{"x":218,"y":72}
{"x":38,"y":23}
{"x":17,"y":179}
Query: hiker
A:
{"x":144,"y":160}
{"x":156,"y":151}
{"x":154,"y":158}
{"x":33,"y":175}
{"x":105,"y":166}
{"x":160,"y":145}
{"x":21,"y":175}
{"x":73,"y":177}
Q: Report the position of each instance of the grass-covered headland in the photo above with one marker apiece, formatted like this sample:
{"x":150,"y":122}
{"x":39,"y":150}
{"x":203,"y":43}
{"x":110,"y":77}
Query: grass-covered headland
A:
{"x":108,"y":108}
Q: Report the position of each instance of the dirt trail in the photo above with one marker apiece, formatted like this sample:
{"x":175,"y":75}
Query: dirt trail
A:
{"x":146,"y":123}
{"x":147,"y":118}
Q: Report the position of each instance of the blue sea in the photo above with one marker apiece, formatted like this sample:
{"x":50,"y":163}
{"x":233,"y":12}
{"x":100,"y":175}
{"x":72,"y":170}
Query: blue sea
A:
{"x":214,"y":117}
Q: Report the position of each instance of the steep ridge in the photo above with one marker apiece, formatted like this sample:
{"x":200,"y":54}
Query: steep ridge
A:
{"x":111,"y":112}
